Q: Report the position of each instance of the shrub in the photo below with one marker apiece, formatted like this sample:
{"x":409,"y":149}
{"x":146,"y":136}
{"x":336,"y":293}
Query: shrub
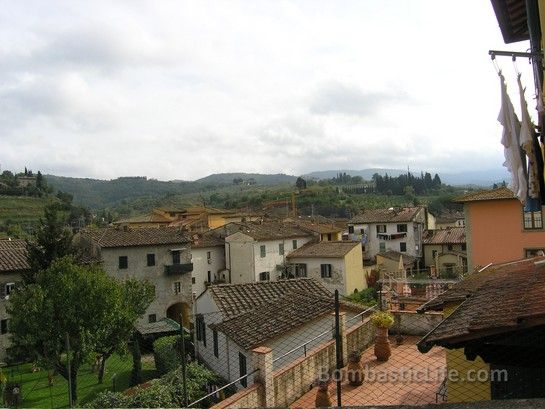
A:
{"x":367,"y":297}
{"x":109,"y":399}
{"x":166,"y":354}
{"x":157,"y":395}
{"x":382,"y":319}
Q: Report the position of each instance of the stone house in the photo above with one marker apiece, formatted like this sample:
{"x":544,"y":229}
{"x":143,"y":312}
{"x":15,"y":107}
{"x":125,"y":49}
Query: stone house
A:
{"x":450,"y":218}
{"x":160,"y":256}
{"x":208,"y":258}
{"x":233,"y":319}
{"x":13,"y":262}
{"x":256,"y":251}
{"x":445,"y":251}
{"x":397,"y":229}
{"x":338,"y":265}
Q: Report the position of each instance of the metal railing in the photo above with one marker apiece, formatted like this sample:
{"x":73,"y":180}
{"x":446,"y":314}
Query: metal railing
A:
{"x":222,"y":388}
{"x":361,"y":315}
{"x":304,"y":346}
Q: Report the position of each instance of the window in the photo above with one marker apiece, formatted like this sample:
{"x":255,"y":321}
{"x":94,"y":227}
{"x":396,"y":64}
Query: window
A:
{"x":177,"y":287}
{"x":215,"y":338}
{"x":402,"y":228}
{"x":403,"y":247}
{"x":209,"y":257}
{"x":152,"y":318}
{"x":529,"y":253}
{"x":281,"y":249}
{"x":151,"y":260}
{"x":209,"y":276}
{"x":434,"y":254}
{"x":329,"y":237}
{"x":176,"y":257}
{"x":242,"y":369}
{"x":381,"y":228}
{"x":201,"y":329}
{"x":533,"y":220}
{"x":464,"y":247}
{"x":262,"y":251}
{"x":362,"y":231}
{"x":193,"y":281}
{"x":449,"y":247}
{"x":382,"y":246}
{"x":294,"y":244}
{"x":264,"y":276}
{"x":9,"y":288}
{"x":325,"y":270}
{"x":123,"y":262}
{"x":350,"y":229}
{"x":4,"y":327}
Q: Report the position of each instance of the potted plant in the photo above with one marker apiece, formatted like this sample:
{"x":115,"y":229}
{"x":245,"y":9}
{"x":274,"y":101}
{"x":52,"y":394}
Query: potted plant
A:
{"x":323,"y":400}
{"x":355,"y":369}
{"x":382,"y":320}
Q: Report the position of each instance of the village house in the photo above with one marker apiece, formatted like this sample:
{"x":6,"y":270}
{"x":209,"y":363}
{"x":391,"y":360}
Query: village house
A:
{"x":256,"y":251}
{"x":160,"y":256}
{"x":208,"y":258}
{"x":323,"y":228}
{"x":194,"y":219}
{"x":13,"y":262}
{"x":449,"y":218}
{"x":233,"y":319}
{"x":498,"y":229}
{"x":336,"y":264}
{"x":494,"y":324}
{"x":445,"y":251}
{"x":396,"y":229}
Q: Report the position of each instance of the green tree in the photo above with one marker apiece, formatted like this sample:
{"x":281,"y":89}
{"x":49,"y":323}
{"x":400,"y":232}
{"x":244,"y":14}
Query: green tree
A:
{"x":52,"y":240}
{"x":300,"y":183}
{"x":68,"y":302}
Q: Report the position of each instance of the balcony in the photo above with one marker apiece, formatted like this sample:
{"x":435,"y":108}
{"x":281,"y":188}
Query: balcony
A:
{"x":178,"y":269}
{"x":391,"y":236}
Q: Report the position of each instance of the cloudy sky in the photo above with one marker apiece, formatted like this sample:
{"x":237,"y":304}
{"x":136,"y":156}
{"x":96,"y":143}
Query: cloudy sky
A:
{"x":182,"y":89}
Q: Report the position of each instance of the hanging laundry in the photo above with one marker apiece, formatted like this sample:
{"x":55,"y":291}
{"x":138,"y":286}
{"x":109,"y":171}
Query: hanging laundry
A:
{"x":510,"y":141}
{"x":526,"y":139}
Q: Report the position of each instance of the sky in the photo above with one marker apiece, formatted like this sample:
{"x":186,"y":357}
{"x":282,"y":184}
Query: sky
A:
{"x":183,"y":89}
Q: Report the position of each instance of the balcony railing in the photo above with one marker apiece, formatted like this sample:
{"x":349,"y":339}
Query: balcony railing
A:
{"x":176,"y":269}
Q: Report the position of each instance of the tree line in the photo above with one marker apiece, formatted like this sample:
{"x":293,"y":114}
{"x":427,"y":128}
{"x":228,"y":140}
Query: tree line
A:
{"x":407,"y":183}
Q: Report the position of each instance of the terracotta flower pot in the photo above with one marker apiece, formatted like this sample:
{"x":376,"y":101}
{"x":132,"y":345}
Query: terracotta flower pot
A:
{"x":382,"y":344}
{"x":323,"y":400}
{"x":355,"y":369}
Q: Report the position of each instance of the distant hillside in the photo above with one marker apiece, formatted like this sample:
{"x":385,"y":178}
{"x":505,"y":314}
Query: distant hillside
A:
{"x":260,"y":179}
{"x":24,"y":211}
{"x":99,"y":194}
{"x":483,"y":178}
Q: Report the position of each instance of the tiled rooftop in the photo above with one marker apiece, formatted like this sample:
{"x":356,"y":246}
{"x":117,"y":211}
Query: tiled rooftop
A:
{"x":501,"y":193}
{"x":451,"y":235}
{"x":405,"y":359}
{"x":211,"y":238}
{"x":119,"y":237}
{"x":276,"y":317}
{"x":403,"y":215}
{"x":395,"y":255}
{"x":449,"y":216}
{"x":501,"y":298}
{"x":235,"y":299}
{"x":13,"y":255}
{"x":333,"y":249}
{"x":268,"y":230}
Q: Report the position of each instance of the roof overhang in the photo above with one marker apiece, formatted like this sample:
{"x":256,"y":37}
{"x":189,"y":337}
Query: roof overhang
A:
{"x":512,"y":19}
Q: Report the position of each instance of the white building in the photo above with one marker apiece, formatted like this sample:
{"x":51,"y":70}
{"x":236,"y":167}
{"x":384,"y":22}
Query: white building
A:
{"x":233,"y":319}
{"x":396,"y":229}
{"x":256,"y":251}
{"x":336,"y":264}
{"x":13,"y":262}
{"x":160,"y":256}
{"x":208,"y":257}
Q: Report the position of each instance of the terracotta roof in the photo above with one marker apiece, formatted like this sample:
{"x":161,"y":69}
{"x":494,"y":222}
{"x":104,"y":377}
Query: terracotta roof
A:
{"x":145,"y":218}
{"x":501,"y":193}
{"x":235,"y":299}
{"x":211,"y":238}
{"x":394,"y":255}
{"x":406,"y":214}
{"x":13,"y":255}
{"x":119,"y":237}
{"x":499,"y":299}
{"x":275,"y":317}
{"x":451,"y":235}
{"x":325,"y":249}
{"x":449,"y":216}
{"x":268,"y":230}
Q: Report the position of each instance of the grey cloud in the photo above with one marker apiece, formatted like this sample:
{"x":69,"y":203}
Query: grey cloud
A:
{"x":338,"y":98}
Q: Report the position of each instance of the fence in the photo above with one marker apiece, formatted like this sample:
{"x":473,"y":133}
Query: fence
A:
{"x":305,"y":352}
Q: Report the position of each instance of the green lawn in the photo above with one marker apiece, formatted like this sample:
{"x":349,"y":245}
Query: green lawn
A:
{"x":37,"y":393}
